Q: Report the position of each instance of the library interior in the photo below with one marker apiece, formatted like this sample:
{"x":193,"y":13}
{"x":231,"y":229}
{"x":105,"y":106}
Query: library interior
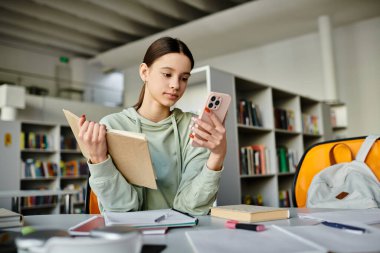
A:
{"x":303,"y":79}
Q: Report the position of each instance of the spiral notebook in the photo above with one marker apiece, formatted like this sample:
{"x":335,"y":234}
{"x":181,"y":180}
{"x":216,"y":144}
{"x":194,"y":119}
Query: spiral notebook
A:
{"x":151,"y":218}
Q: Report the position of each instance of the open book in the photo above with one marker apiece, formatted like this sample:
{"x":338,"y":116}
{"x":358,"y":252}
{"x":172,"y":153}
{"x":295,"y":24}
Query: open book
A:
{"x":250,"y":213}
{"x":150,"y":218}
{"x":129,"y":152}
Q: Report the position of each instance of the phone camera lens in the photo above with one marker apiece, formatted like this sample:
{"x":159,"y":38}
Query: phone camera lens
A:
{"x":213,"y":98}
{"x":217,"y":102}
{"x":210,"y":105}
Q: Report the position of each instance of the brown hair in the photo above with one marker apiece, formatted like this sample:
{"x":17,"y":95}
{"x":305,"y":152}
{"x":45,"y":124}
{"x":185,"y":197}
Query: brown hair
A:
{"x":158,"y":48}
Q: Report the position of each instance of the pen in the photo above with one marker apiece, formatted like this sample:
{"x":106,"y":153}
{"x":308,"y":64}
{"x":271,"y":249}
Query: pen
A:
{"x":233,"y":224}
{"x":187,"y":214}
{"x":348,"y":228}
{"x":161,"y":218}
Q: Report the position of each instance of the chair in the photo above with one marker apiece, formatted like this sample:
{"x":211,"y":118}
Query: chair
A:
{"x":91,"y":203}
{"x":316,"y":158}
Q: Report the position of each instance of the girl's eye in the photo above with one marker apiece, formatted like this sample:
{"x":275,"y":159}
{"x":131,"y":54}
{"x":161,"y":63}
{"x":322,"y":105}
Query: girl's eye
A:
{"x":185,"y":78}
{"x":166,"y":74}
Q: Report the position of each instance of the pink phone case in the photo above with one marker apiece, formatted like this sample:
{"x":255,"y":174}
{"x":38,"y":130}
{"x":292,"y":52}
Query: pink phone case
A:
{"x":218,"y":103}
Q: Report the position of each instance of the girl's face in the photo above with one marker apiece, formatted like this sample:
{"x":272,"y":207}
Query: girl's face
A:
{"x":166,"y":79}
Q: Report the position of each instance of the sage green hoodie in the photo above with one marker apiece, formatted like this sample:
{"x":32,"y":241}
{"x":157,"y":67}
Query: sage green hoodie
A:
{"x":184,"y":182}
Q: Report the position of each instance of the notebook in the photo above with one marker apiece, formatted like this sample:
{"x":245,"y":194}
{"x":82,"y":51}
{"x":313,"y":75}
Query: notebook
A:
{"x":129,"y":152}
{"x":151,"y":218}
{"x":95,"y":226}
{"x":86,"y":226}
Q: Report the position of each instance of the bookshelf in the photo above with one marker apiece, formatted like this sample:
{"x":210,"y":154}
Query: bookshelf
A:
{"x":49,"y":160}
{"x":300,"y":122}
{"x":339,"y":120}
{"x":43,"y":116}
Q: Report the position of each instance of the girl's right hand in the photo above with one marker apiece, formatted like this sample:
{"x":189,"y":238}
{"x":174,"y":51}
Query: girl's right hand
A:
{"x":93,"y":137}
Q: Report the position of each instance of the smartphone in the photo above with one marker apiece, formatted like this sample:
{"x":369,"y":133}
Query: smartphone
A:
{"x":218,"y":103}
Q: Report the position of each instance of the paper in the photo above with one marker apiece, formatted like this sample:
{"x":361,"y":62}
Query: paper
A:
{"x":338,"y":240}
{"x":147,"y":218}
{"x":237,"y":240}
{"x":367,"y":216}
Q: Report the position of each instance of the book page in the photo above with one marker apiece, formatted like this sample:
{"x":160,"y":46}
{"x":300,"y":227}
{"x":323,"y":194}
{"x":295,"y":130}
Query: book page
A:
{"x":249,"y":208}
{"x":147,"y":218}
{"x":128,"y":133}
{"x":339,"y":240}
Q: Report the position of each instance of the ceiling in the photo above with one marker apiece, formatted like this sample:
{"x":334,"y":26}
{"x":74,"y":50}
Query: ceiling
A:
{"x":248,"y":25}
{"x":86,"y":28}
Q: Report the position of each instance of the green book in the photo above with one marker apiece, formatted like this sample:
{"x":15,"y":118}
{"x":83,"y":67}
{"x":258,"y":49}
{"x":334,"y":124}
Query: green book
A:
{"x":283,"y":161}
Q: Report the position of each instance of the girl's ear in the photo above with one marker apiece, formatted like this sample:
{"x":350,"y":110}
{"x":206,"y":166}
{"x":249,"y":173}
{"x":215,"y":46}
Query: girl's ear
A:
{"x":144,"y":69}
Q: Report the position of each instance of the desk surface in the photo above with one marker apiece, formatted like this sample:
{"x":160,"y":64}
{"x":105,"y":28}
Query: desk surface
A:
{"x":175,"y":239}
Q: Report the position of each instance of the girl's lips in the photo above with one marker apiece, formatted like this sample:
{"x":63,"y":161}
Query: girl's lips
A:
{"x":171,"y":96}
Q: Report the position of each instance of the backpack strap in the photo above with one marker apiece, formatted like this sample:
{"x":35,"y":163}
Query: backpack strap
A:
{"x":366,"y":147}
{"x":332,"y":155}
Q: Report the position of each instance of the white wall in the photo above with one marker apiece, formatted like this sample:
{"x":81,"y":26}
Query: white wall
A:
{"x":293,"y":65}
{"x":358,"y":73}
{"x":296,"y":65}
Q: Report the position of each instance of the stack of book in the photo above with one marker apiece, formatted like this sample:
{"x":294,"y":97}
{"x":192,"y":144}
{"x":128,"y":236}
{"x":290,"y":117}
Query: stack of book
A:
{"x":10,"y":219}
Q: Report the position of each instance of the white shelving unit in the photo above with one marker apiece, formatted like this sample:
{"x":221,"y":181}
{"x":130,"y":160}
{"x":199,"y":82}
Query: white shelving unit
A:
{"x":234,"y":186}
{"x":54,"y":152}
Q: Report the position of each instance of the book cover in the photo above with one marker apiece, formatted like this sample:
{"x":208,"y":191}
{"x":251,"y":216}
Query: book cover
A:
{"x":261,"y":151}
{"x":129,"y":152}
{"x":250,"y":213}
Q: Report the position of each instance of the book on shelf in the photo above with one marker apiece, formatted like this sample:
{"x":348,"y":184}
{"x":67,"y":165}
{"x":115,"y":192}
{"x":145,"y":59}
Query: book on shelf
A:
{"x":31,"y":168}
{"x":283,"y":162}
{"x":250,"y":213}
{"x":254,"y":160}
{"x":284,"y":119}
{"x":249,"y":113}
{"x":129,"y":152}
{"x":310,"y":124}
{"x":9,"y":218}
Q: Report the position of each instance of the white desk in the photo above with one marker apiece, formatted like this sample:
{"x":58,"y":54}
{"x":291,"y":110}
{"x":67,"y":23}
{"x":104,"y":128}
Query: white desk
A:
{"x":16,"y":195}
{"x":175,"y":239}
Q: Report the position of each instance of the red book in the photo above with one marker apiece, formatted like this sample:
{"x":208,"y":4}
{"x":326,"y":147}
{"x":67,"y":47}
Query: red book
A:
{"x":261,"y":149}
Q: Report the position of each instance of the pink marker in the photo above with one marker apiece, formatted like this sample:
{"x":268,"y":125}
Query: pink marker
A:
{"x":234,"y":224}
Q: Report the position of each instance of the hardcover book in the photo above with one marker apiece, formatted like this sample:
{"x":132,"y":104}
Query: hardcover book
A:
{"x":250,"y":213}
{"x":10,"y":219}
{"x":129,"y":152}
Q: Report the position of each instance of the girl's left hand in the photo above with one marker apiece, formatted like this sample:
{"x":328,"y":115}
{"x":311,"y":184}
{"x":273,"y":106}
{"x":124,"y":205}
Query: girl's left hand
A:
{"x":213,"y":137}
